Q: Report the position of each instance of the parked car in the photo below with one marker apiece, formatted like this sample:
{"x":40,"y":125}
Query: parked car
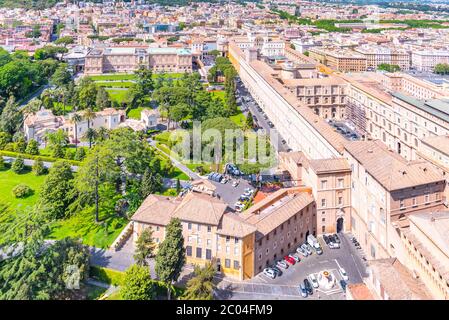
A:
{"x":343,"y":284}
{"x":235,"y":183}
{"x":314,"y":280}
{"x":318,"y":250}
{"x":290,"y":260}
{"x":302,"y":252}
{"x":269,"y":273}
{"x":308,"y":286}
{"x":343,"y":274}
{"x":282,"y":264}
{"x":224,"y":181}
{"x":277,"y":271}
{"x":302,"y":290}
{"x":336,"y":238}
{"x":326,"y":239}
{"x":306,"y":248}
{"x":295,"y":257}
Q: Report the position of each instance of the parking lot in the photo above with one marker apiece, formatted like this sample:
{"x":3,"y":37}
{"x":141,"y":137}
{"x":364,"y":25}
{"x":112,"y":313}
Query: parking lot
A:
{"x":230,"y":194}
{"x":286,"y":286}
{"x":342,"y":128}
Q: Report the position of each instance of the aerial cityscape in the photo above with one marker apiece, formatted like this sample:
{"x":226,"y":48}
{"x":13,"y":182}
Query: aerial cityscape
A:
{"x":224,"y":150}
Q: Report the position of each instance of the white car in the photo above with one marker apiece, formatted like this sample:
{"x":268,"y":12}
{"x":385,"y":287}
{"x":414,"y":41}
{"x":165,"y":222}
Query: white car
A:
{"x":224,"y":181}
{"x":269,"y":273}
{"x":235,"y":184}
{"x":302,"y":251}
{"x":343,"y":274}
{"x":314,"y":281}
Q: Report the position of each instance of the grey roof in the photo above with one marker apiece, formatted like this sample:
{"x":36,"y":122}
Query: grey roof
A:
{"x":437,"y":107}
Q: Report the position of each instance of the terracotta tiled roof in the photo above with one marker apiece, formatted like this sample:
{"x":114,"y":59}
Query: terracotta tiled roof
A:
{"x":397,"y":281}
{"x":276,"y":209}
{"x":440,"y":143}
{"x":360,"y":291}
{"x":156,"y":209}
{"x":391,"y":170}
{"x":329,"y":165}
{"x":201,"y":208}
{"x":232,"y":225}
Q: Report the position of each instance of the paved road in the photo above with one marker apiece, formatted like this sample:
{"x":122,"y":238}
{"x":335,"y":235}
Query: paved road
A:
{"x":29,"y":163}
{"x":34,"y":95}
{"x":261,"y":121}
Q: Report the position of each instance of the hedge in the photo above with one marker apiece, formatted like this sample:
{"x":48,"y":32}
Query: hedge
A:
{"x":13,"y":154}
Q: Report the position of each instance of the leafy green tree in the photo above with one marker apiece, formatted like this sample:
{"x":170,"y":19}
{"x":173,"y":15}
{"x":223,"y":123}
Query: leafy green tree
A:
{"x":65,"y":40}
{"x":38,"y":168}
{"x":11,"y":117}
{"x":102,"y":100}
{"x":80,"y":154}
{"x":137,"y":284}
{"x":62,"y":76}
{"x":89,"y":115}
{"x":21,"y":145}
{"x":5,"y":138}
{"x":57,"y":151}
{"x":57,"y":189}
{"x":90,"y":136}
{"x":40,"y":271}
{"x":151,"y":183}
{"x":32,"y":147}
{"x":201,"y":286}
{"x":170,"y":257}
{"x":145,"y":247}
{"x":178,"y":186}
{"x":249,"y":121}
{"x":22,"y":191}
{"x":389,"y":67}
{"x":86,"y":93}
{"x":18,"y":165}
{"x":76,"y":118}
{"x":2,"y":164}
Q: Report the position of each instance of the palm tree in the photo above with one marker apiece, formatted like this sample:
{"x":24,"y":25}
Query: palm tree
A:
{"x":201,"y":286}
{"x":102,"y":134}
{"x":90,"y":135}
{"x":89,"y":115}
{"x":76,"y":118}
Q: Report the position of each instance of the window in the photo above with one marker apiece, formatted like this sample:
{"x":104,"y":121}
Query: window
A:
{"x":341,"y":183}
{"x":198,"y":227}
{"x":323,"y":229}
{"x":427,"y":198}
{"x":323,"y":184}
{"x":236,"y":264}
{"x":236,"y":240}
{"x":228,"y":238}
{"x":189,"y":251}
{"x":236,"y":250}
{"x":209,"y":229}
{"x":340,"y":200}
{"x":228,"y":249}
{"x":209,"y":241}
{"x":414,"y":202}
{"x":198,"y":253}
{"x":323,"y":202}
{"x":401,"y":204}
{"x":208,"y":254}
{"x":189,"y":226}
{"x":227,"y":263}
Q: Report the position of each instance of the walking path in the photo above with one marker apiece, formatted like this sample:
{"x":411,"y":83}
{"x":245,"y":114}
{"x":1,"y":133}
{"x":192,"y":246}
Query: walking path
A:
{"x":183,"y":168}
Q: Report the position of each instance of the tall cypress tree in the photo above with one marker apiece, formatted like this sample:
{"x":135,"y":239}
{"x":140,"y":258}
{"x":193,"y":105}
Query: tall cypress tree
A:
{"x":170,"y":257}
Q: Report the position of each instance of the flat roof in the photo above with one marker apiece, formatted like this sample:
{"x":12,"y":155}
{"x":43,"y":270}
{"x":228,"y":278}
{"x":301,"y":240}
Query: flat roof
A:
{"x":436,"y":107}
{"x":169,"y":51}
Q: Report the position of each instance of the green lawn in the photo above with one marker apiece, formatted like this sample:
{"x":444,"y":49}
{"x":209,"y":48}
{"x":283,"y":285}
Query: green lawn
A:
{"x":219,"y":94}
{"x":83,"y":226}
{"x":113,"y":77}
{"x":94,"y":292}
{"x":122,"y":76}
{"x":239,"y":119}
{"x":115,"y":84}
{"x":117,"y":95}
{"x":9,"y":179}
{"x":135,"y":113}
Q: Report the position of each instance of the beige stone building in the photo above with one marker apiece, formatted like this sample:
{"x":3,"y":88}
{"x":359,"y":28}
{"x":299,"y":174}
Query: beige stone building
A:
{"x":241,"y":245}
{"x":330,"y":182}
{"x":340,"y":60}
{"x":129,"y":59}
{"x":426,"y":243}
{"x":385,"y":188}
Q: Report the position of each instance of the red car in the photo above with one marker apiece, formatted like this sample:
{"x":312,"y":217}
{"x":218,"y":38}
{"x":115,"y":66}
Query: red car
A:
{"x":290,"y":260}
